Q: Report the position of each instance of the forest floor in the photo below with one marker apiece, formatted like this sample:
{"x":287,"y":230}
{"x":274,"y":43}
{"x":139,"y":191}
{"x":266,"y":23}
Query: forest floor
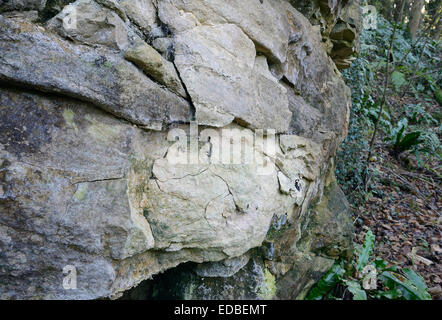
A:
{"x":403,"y":210}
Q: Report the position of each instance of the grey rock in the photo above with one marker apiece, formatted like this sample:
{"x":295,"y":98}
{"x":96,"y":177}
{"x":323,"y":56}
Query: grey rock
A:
{"x":225,"y":268}
{"x":155,"y":66}
{"x":227,"y":81}
{"x":251,"y":17}
{"x":31,"y":15}
{"x":253,"y":281}
{"x":21,"y":5}
{"x":141,"y":12}
{"x":315,"y":77}
{"x":162,"y":44}
{"x":102,"y":169}
{"x":345,"y":35}
{"x":85,"y":21}
{"x":97,"y":76}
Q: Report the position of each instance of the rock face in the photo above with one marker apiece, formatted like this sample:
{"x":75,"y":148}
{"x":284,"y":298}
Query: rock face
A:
{"x":345,"y":35}
{"x":140,"y":135}
{"x":340,"y":22}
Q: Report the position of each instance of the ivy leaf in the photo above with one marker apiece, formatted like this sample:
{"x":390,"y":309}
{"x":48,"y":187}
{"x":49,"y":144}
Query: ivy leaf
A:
{"x":398,"y":80}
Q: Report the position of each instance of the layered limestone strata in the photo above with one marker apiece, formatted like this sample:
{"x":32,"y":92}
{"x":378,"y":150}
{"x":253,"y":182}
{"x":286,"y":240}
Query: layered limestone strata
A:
{"x":139,"y":135}
{"x":341,"y":24}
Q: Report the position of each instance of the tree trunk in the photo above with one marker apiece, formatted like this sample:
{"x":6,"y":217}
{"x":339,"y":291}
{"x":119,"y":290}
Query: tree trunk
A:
{"x":398,"y":14}
{"x":438,"y":30}
{"x":387,"y":10}
{"x":407,"y":9}
{"x":415,"y":19}
{"x":437,"y":22}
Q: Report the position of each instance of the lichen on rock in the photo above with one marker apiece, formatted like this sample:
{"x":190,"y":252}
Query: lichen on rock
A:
{"x":168,"y":139}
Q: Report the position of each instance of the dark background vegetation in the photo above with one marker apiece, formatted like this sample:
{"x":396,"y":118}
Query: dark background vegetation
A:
{"x":389,"y":166}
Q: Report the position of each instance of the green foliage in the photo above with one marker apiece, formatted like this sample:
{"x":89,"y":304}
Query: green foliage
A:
{"x":415,"y":68}
{"x":370,"y":111}
{"x":411,"y":287}
{"x":416,"y":79}
{"x":355,"y":288}
{"x":402,"y":141}
{"x":327,"y":283}
{"x":416,"y":114}
{"x":438,"y":95}
{"x":403,"y":284}
{"x":350,"y":159}
{"x":367,"y":248}
{"x":398,"y":80}
{"x":409,"y":141}
{"x":420,"y":140}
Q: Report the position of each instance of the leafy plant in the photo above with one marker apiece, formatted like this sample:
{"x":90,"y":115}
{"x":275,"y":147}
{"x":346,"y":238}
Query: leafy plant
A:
{"x":367,"y":248}
{"x":416,"y":80}
{"x":416,"y":114}
{"x":398,"y":80}
{"x":411,"y":287}
{"x":402,"y":141}
{"x":355,"y":288}
{"x":365,"y":79}
{"x":394,"y":283}
{"x":438,"y":95}
{"x":327,"y":283}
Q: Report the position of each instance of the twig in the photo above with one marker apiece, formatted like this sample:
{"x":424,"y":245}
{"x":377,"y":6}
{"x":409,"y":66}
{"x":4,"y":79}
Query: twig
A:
{"x":384,"y":96}
{"x":417,"y":176}
{"x":413,"y":188}
{"x":408,"y":183}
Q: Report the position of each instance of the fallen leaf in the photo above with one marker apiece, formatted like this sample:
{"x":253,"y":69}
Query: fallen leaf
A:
{"x":413,"y":256}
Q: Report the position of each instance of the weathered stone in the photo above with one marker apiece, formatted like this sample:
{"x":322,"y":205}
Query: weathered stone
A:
{"x":249,"y":15}
{"x":341,"y":25}
{"x":31,"y":15}
{"x":227,"y":81}
{"x":91,"y":179}
{"x":155,"y":66}
{"x":97,"y":76}
{"x":85,"y":21}
{"x":21,"y":5}
{"x":230,"y":211}
{"x":141,"y":12}
{"x":225,"y":268}
{"x":115,"y":6}
{"x":315,"y":77}
{"x":330,"y":223}
{"x":229,"y":215}
{"x":323,"y":13}
{"x":52,"y":180}
{"x":345,"y":35}
{"x":253,"y":281}
{"x":162,"y":44}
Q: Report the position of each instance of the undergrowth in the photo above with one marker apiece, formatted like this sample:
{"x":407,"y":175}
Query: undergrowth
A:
{"x":410,"y":130}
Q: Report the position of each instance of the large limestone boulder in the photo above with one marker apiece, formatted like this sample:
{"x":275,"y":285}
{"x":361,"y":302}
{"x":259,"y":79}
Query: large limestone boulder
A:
{"x":138,"y":136}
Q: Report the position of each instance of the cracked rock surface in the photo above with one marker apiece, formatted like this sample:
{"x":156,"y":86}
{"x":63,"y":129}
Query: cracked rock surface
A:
{"x":137,"y":136}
